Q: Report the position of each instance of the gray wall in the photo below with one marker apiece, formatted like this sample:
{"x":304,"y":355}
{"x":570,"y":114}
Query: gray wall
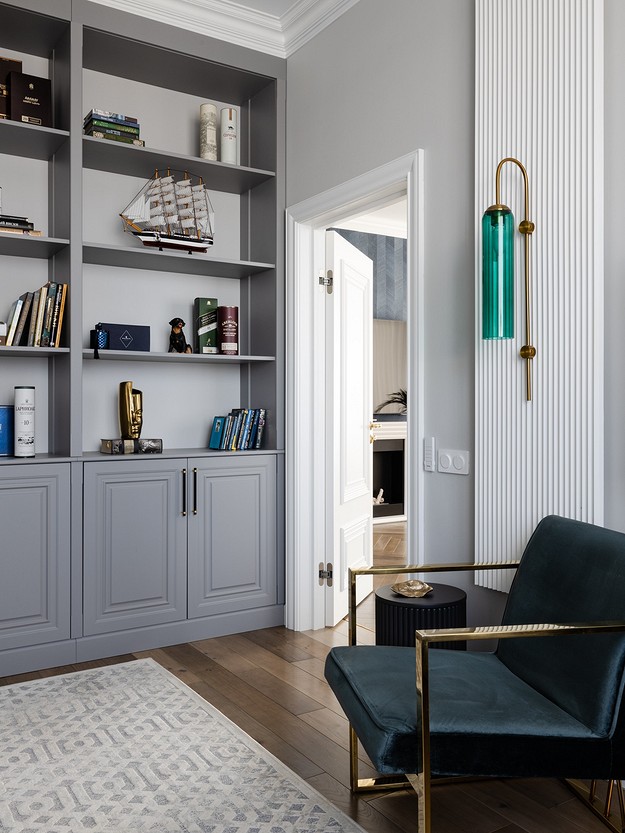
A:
{"x":380,"y":82}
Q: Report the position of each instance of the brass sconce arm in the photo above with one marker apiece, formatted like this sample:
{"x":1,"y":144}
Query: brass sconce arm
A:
{"x":526,"y":227}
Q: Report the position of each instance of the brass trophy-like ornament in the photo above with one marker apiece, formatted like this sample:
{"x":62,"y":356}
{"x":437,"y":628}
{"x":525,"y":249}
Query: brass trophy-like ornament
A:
{"x":130,"y":411}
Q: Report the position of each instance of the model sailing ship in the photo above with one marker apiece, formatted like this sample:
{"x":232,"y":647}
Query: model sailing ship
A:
{"x":172,"y":211}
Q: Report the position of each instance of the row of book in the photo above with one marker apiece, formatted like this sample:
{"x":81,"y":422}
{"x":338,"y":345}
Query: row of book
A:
{"x":242,"y":429}
{"x":36,"y":318}
{"x":117,"y":127}
{"x":12,"y":224}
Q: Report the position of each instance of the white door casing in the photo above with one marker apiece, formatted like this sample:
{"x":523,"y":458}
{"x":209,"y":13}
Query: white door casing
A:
{"x":306,"y":468}
{"x":349,"y":348}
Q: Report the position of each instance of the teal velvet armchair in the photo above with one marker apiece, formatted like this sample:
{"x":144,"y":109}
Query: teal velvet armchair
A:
{"x":548,"y":702}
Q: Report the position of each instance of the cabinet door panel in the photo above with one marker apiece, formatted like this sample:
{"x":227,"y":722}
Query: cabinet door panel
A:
{"x":135,"y":545}
{"x":232,"y":539}
{"x":34,"y":567}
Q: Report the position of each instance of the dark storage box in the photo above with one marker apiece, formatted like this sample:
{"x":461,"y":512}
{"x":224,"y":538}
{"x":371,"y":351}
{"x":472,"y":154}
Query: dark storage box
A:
{"x":30,"y":99}
{"x":128,"y":336}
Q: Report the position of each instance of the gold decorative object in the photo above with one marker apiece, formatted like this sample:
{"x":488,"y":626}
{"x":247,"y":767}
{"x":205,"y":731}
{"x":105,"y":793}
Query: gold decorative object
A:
{"x":414,"y":588}
{"x":130,"y":411}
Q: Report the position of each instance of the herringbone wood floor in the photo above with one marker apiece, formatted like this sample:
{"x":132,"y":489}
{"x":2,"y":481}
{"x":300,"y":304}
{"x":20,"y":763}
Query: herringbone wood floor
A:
{"x":271,"y":683}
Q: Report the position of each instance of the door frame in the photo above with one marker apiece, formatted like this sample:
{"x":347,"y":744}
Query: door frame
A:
{"x":306,"y":223}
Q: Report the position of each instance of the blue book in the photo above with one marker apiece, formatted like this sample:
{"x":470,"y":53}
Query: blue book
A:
{"x":6,"y":430}
{"x":217,"y":432}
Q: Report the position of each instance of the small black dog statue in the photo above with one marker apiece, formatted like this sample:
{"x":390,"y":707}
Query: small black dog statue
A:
{"x":177,"y":340}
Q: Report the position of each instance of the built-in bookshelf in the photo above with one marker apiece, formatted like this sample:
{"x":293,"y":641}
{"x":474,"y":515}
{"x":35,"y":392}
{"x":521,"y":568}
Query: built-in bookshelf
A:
{"x":74,"y":187}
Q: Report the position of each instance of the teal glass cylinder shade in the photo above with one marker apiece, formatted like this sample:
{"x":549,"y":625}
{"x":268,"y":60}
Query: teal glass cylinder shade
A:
{"x":497,"y":273}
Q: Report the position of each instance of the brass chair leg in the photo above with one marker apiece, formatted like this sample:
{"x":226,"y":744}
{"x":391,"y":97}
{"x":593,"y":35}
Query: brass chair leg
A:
{"x":589,"y":798}
{"x":421,"y":785}
{"x":381,"y":783}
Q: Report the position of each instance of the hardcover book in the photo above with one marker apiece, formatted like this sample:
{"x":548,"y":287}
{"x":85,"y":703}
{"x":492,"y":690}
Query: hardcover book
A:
{"x":128,"y":140}
{"x":30,"y":99}
{"x":219,"y":423}
{"x":95,"y":113}
{"x":6,"y":430}
{"x":205,"y":325}
{"x":21,"y":324}
{"x":8,"y":65}
{"x":140,"y":446}
{"x":116,"y":127}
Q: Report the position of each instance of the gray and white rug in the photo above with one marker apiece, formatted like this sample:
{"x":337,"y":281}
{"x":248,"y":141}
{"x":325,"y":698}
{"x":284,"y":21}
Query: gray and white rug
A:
{"x":130,"y":748}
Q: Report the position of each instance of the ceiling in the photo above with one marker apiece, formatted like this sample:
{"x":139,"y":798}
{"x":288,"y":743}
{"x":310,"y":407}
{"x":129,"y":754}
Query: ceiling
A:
{"x":278,"y":27}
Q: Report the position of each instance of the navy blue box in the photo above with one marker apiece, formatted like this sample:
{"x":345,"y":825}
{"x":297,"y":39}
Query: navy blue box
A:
{"x":128,"y":336}
{"x":6,"y":430}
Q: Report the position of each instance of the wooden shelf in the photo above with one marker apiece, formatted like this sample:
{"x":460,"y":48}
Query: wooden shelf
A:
{"x":30,"y":141}
{"x":193,"y":358}
{"x":21,"y":245}
{"x":140,"y":257}
{"x":120,"y":158}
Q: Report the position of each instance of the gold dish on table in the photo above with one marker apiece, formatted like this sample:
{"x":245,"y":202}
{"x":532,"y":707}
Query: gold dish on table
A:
{"x":413,"y":588}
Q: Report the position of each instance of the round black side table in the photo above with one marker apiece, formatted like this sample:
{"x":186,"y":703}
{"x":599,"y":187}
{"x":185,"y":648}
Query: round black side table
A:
{"x":398,"y":617}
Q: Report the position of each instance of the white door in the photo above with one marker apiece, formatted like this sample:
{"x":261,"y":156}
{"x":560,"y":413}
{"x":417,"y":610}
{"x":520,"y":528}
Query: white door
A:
{"x":349,"y":323}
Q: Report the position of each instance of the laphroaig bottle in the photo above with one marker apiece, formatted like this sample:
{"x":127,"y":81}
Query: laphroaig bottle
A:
{"x":24,"y":421}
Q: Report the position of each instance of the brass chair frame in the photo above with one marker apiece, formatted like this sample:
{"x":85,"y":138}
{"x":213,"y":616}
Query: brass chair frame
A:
{"x":421,"y":781}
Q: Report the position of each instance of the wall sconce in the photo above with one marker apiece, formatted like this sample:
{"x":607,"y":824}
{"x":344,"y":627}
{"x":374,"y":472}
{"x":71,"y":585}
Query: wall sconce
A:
{"x":498,"y":271}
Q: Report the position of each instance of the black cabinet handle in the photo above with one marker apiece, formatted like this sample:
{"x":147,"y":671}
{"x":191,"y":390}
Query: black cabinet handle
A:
{"x":195,"y":491}
{"x":184,"y":491}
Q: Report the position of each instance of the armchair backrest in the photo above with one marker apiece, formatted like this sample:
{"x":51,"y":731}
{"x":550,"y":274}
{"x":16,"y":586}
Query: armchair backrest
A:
{"x":571,"y":572}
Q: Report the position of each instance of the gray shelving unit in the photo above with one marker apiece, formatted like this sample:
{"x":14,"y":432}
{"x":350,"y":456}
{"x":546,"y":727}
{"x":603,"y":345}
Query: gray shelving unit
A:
{"x":87,"y":44}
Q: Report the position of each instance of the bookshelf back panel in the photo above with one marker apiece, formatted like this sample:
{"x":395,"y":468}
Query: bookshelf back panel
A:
{"x":155,"y":299}
{"x":105,"y":195}
{"x":27,"y":371}
{"x":169,"y":120}
{"x":179,"y":408}
{"x":25,"y":189}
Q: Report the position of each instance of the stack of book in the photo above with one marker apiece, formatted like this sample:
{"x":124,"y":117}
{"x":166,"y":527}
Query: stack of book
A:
{"x":36,"y":318}
{"x":242,"y":429}
{"x":12,"y":224}
{"x":102,"y":124}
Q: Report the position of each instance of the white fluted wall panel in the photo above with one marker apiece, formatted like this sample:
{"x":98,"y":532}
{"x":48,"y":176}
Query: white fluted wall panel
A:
{"x":539,"y":98}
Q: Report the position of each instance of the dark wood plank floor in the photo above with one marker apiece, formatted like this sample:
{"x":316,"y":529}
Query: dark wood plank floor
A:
{"x":270,"y":683}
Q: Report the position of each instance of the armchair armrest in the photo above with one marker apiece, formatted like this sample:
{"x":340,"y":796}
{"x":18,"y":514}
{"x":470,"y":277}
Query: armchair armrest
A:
{"x":410,"y":568}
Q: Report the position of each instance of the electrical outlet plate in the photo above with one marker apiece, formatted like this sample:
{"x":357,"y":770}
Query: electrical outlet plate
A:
{"x":452,"y":461}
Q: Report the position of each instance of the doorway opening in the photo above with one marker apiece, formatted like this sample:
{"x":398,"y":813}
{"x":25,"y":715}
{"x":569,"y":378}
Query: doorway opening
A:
{"x":306,"y":475}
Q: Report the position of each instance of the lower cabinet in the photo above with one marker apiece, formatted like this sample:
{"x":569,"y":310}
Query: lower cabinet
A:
{"x":35,"y":562}
{"x":232,"y":535}
{"x":134,"y":545}
{"x":171,"y":539}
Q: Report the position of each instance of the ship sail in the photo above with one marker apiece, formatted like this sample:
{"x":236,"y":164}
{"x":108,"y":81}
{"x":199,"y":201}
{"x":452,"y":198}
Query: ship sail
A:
{"x":172,"y":210}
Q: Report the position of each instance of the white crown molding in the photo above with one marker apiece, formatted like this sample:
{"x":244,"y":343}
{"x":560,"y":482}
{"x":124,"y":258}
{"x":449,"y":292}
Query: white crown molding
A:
{"x":306,"y":18}
{"x":239,"y":24}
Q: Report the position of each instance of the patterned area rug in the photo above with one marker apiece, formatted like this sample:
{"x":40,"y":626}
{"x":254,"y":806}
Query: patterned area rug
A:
{"x":130,"y":748}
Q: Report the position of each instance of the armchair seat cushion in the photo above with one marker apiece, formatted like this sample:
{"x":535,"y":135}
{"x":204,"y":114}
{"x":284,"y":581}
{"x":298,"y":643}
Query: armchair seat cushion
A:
{"x":484,"y":720}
